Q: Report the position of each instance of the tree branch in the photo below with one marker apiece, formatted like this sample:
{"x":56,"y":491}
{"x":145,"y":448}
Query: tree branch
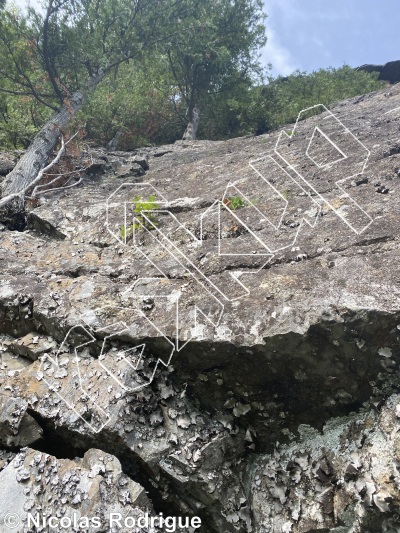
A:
{"x":50,"y":67}
{"x":27,"y":93}
{"x":20,"y":194}
{"x":24,"y":74}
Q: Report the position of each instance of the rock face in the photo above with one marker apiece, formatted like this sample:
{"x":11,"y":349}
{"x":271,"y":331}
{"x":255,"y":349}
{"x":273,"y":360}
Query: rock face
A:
{"x":224,"y":324}
{"x":351,"y":470}
{"x":388,"y":72}
{"x":7,"y":163}
{"x":94,"y":484}
{"x":17,"y":427}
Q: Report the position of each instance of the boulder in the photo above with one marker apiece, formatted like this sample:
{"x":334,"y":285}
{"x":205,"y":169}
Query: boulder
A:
{"x":96,"y":166}
{"x":131,"y":169}
{"x":388,"y":72}
{"x":82,"y":490}
{"x":7,"y":163}
{"x":32,"y":345}
{"x":353,"y":477}
{"x":17,"y":427}
{"x":142,"y":160}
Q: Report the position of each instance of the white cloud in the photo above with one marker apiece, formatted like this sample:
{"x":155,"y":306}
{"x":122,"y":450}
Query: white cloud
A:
{"x":292,"y":10}
{"x":275,"y":52}
{"x":280,"y":57}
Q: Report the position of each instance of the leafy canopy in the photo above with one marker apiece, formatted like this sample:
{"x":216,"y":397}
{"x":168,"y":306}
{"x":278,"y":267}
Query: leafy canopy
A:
{"x":280,"y":101}
{"x":52,"y":53}
{"x":161,"y":57}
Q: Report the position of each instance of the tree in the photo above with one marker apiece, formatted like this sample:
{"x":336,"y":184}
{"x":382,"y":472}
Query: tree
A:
{"x":131,"y":108}
{"x":59,"y":57}
{"x":220,"y":52}
{"x":280,"y":102}
{"x":206,"y":64}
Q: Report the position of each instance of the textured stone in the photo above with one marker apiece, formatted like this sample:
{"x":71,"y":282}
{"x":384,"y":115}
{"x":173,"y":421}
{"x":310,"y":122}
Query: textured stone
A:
{"x":96,"y":166}
{"x":17,"y":427}
{"x":92,"y":486}
{"x":7,"y":163}
{"x":133,"y":169}
{"x":388,"y":72}
{"x":309,"y":335}
{"x":351,"y":470}
{"x":32,"y":345}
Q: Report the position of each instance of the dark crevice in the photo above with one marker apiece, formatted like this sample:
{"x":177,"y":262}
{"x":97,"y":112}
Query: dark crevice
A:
{"x":52,"y":443}
{"x":160,"y":154}
{"x":274,"y":262}
{"x":16,"y":222}
{"x":77,"y":273}
{"x":393,"y":150}
{"x":213,"y":368}
{"x":73,"y":274}
{"x":376,"y":240}
{"x":102,"y":245}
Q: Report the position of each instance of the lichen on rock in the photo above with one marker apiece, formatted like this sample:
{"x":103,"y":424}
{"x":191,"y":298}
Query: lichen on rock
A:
{"x":240,"y":365}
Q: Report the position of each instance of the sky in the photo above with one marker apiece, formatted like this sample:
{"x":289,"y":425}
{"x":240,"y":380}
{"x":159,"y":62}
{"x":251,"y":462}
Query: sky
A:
{"x":312,"y":34}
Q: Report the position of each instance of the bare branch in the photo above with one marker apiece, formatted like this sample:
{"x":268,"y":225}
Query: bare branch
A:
{"x":20,"y":194}
{"x":58,"y":177}
{"x":57,"y":188}
{"x":27,"y":93}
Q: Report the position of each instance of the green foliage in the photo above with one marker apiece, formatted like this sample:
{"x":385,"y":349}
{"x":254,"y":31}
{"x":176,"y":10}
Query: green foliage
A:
{"x":218,"y":54}
{"x":204,"y":62}
{"x":132,"y":103}
{"x":149,"y":220}
{"x":280,"y":102}
{"x":184,"y":52}
{"x":236,"y":202}
{"x":287,"y":194}
{"x":161,"y":58}
{"x":145,"y":206}
{"x":147,"y":108}
{"x":79,"y":40}
{"x":20,"y":119}
{"x":47,"y":55}
{"x":21,"y":114}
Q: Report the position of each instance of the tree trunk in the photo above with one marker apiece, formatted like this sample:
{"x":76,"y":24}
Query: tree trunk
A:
{"x":37,"y":155}
{"x":193,"y":125}
{"x":114,"y":143}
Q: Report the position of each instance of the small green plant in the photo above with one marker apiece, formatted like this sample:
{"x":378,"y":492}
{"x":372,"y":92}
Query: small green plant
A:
{"x":141,"y":206}
{"x":287,"y":194}
{"x":236,"y":202}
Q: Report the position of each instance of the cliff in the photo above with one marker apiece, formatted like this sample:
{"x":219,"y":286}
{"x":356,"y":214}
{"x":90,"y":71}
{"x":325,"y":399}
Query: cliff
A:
{"x":220,"y":322}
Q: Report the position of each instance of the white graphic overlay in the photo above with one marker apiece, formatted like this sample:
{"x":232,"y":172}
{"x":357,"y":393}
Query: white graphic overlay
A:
{"x":260,"y":214}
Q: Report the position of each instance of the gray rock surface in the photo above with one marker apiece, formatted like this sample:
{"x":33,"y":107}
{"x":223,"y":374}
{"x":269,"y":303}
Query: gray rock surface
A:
{"x":17,"y":427}
{"x":388,"y":72}
{"x":42,"y":486}
{"x":7,"y":163}
{"x":206,"y":347}
{"x":352,"y":470}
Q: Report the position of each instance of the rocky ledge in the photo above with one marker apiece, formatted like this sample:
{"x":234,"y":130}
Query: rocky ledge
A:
{"x":211,"y":329}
